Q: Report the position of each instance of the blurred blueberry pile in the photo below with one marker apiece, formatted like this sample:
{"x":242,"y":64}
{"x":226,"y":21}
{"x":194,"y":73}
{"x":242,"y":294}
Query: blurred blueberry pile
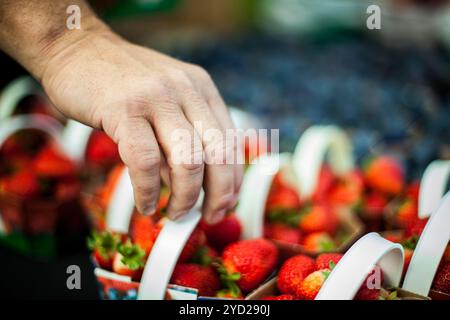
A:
{"x":391,"y":99}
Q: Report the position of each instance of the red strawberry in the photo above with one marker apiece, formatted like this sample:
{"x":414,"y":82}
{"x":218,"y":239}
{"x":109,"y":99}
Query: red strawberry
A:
{"x":283,"y":233}
{"x":191,"y":275}
{"x":204,"y":256}
{"x":327,"y":260}
{"x":374,"y":205}
{"x":129,"y":260}
{"x":102,"y":150}
{"x":141,"y":231}
{"x":249,"y":262}
{"x":195,"y":241}
{"x":52,"y":163}
{"x":365,"y":293}
{"x":221,"y":234}
{"x":393,"y":236}
{"x":280,"y":297}
{"x":324,"y":184}
{"x":318,"y":218}
{"x":385,"y":175}
{"x":441,"y":281}
{"x":292,"y":273}
{"x":412,"y":191}
{"x":254,"y":148}
{"x":283,"y":198}
{"x":318,"y":242}
{"x":407,"y":261}
{"x":23,"y":184}
{"x":312,"y":284}
{"x":416,"y":228}
{"x":406,"y":214}
{"x":446,"y":256}
{"x":68,"y":188}
{"x":347,"y":191}
{"x":104,"y":246}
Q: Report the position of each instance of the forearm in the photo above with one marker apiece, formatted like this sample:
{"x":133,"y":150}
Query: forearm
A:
{"x":33,"y":31}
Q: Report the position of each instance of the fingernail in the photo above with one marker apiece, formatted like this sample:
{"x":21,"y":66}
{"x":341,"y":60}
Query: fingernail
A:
{"x":175,"y":216}
{"x":150,"y":209}
{"x":216,"y":217}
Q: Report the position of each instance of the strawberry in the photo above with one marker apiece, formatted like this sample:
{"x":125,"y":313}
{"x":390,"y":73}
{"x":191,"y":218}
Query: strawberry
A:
{"x":23,"y":184}
{"x":407,"y":261}
{"x":311,"y":285}
{"x":104,"y":246}
{"x":108,"y":188}
{"x":52,"y":163}
{"x":327,"y":260}
{"x":292,"y":273}
{"x":364,"y":293}
{"x":325,"y":182}
{"x":374,"y":205}
{"x":101,"y":150}
{"x":221,"y":234}
{"x":195,"y":241}
{"x":441,"y":280}
{"x":412,"y":191}
{"x":280,"y":297}
{"x":283,"y":233}
{"x":141,"y":231}
{"x":254,"y":149}
{"x":191,"y":275}
{"x":384,"y":174}
{"x":406,"y":213}
{"x":248,"y":263}
{"x":67,"y":188}
{"x":319,"y":242}
{"x":415,"y":228}
{"x":318,"y":218}
{"x":446,"y":256}
{"x":204,"y":256}
{"x":347,"y":191}
{"x":283,"y":197}
{"x":129,"y":260}
{"x":393,"y":236}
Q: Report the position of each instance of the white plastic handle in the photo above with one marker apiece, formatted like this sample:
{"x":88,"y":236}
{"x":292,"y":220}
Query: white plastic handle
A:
{"x":314,"y":145}
{"x":120,"y":208}
{"x":22,"y":122}
{"x":429,"y":250}
{"x":14,"y":92}
{"x":76,"y":137}
{"x":433,"y":186}
{"x":164,"y":256}
{"x":255,"y":190}
{"x":348,"y":275}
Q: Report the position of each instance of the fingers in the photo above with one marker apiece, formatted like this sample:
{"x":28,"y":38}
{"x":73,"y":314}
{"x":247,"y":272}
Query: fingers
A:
{"x":183,"y":151}
{"x":213,"y":98}
{"x":218,"y":179}
{"x":139,"y":150}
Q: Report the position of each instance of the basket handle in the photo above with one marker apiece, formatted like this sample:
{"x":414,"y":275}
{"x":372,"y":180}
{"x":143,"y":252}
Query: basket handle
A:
{"x":255,"y":190}
{"x":22,"y":122}
{"x":310,"y":153}
{"x":429,"y":250}
{"x":433,"y":186}
{"x":76,"y":137}
{"x":14,"y":92}
{"x":167,"y":247}
{"x":348,"y":275}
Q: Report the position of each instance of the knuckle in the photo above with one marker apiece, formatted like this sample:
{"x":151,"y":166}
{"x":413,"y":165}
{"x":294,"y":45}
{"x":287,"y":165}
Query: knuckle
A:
{"x":200,"y":73}
{"x":147,"y":161}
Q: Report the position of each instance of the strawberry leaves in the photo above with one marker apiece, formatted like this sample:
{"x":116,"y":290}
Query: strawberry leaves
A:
{"x":105,"y":243}
{"x":133,"y":256}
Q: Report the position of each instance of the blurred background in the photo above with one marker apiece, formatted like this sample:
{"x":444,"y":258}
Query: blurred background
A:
{"x":291,"y":63}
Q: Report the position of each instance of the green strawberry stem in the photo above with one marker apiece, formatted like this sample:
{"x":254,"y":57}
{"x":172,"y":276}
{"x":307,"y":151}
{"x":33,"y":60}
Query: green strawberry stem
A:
{"x":105,"y":243}
{"x":228,"y":282}
{"x":411,"y":242}
{"x":133,"y":256}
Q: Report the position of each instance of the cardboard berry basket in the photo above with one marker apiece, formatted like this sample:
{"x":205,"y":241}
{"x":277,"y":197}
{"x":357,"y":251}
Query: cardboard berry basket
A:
{"x":29,"y":225}
{"x":350,"y":272}
{"x":302,"y":171}
{"x":429,"y":252}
